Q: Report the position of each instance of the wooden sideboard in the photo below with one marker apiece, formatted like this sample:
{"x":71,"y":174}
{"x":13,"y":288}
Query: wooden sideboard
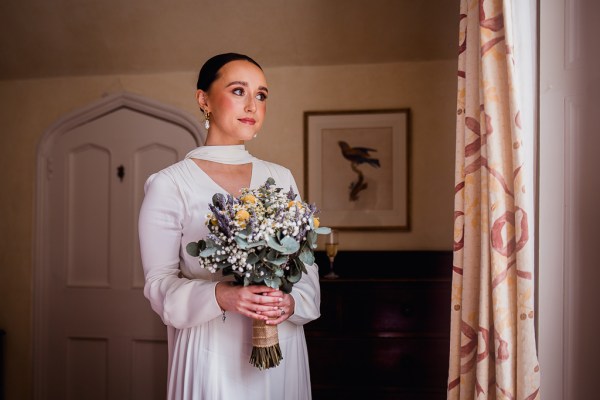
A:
{"x":384,"y":327}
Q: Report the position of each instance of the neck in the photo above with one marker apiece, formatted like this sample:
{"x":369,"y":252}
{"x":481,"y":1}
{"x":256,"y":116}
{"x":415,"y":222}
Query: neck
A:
{"x":214,"y":142}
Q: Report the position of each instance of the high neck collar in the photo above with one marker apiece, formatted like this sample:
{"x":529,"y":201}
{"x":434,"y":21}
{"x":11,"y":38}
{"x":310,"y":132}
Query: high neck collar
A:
{"x":234,"y":154}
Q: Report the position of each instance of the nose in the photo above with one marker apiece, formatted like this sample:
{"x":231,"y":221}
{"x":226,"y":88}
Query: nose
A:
{"x":250,"y":104}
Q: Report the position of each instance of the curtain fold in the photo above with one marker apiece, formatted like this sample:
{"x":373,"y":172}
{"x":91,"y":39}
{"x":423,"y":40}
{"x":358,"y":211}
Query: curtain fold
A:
{"x":492,"y":349}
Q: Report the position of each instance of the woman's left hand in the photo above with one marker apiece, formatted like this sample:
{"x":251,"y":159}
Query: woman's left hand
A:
{"x":285,"y":308}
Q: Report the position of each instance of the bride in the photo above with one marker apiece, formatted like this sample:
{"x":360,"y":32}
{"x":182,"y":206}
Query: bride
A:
{"x":208,"y":318}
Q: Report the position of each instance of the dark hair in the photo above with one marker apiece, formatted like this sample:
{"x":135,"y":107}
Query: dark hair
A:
{"x":210,"y":70}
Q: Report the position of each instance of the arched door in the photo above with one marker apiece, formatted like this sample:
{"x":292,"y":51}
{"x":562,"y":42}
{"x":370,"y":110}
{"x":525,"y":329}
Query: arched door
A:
{"x":97,"y":337}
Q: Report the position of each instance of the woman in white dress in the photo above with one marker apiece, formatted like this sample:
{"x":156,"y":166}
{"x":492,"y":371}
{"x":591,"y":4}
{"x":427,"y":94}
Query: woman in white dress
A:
{"x":208,"y":318}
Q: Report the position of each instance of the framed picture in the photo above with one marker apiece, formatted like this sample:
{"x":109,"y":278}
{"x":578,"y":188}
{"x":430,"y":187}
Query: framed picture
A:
{"x":356,"y":168}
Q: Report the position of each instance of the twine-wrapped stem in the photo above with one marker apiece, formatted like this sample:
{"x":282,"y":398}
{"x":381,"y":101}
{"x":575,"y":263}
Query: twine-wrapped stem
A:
{"x":266,"y":352}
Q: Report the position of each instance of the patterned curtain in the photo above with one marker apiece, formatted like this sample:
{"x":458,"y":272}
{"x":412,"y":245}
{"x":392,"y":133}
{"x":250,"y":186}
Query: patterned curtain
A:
{"x":493,"y":351}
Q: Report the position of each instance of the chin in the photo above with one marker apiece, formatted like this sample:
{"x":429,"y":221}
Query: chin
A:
{"x":248,"y":135}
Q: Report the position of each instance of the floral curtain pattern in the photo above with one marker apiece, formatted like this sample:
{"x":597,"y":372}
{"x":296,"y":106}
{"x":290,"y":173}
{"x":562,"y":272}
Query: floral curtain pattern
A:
{"x":492,"y":349}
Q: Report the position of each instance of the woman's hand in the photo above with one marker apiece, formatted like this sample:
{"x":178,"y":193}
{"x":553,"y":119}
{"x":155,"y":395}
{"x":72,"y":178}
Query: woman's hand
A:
{"x":254,"y":301}
{"x":284,"y":310}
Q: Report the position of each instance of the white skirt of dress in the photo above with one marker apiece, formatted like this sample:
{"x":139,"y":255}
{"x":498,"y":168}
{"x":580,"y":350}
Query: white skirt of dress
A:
{"x":212,"y":362}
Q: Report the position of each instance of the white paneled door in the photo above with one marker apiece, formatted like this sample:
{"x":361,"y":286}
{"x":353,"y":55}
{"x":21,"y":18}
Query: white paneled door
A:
{"x":102,"y":341}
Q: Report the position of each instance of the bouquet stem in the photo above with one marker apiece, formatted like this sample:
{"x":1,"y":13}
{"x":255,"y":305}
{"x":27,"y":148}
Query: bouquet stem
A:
{"x":266,"y":352}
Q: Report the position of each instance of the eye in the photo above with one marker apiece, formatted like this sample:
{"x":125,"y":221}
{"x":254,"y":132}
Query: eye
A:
{"x":238,"y":91}
{"x":261,"y":96}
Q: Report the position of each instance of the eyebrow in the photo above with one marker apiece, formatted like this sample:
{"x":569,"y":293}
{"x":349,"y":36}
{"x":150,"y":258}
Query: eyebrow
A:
{"x":245,"y":84}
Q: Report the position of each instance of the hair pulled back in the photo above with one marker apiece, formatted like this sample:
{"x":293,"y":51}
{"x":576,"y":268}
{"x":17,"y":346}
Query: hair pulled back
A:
{"x":210,"y":70}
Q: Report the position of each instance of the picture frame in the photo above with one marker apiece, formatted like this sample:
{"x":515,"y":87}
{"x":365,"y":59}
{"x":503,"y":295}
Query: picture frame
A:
{"x":357,"y":168}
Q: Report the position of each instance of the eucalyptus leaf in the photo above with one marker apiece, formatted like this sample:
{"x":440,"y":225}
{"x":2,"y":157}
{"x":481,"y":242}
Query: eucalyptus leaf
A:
{"x":299,"y":266}
{"x":272,"y":243}
{"x":286,"y":287}
{"x":241,"y":242}
{"x":311,"y":237}
{"x":273,"y":282}
{"x":278,"y":261}
{"x":263,"y":253}
{"x":290,"y":244}
{"x":272,"y":255}
{"x":293,"y":278}
{"x":279,"y":272}
{"x":209,"y":251}
{"x":303,"y":267}
{"x":307,"y":257}
{"x":193,"y":249}
{"x":322,"y":230}
{"x":256,"y":244}
{"x":252,"y":258}
{"x":248,"y":230}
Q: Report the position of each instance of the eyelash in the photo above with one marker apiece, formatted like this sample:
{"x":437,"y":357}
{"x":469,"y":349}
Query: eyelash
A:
{"x":237,"y":91}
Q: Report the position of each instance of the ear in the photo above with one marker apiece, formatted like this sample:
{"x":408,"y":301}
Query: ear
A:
{"x":202,"y":99}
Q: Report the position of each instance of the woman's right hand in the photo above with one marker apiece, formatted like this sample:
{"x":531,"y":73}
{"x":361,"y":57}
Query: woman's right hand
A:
{"x":250,"y":301}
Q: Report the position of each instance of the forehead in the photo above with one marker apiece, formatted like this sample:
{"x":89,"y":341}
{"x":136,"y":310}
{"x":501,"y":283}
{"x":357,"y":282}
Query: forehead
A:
{"x":241,"y":70}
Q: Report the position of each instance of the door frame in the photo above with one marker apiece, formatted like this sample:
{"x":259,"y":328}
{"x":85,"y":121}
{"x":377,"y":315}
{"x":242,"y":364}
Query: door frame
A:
{"x":68,"y":122}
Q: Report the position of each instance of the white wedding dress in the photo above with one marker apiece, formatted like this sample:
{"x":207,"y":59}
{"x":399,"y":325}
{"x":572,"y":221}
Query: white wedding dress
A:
{"x":209,"y":358}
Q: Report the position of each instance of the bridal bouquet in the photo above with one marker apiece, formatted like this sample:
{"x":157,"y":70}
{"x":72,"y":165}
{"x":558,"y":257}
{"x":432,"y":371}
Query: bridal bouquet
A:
{"x":263,"y":237}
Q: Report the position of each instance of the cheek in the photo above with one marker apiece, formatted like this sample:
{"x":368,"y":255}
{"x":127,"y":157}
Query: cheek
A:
{"x":225,"y":104}
{"x":262,"y":108}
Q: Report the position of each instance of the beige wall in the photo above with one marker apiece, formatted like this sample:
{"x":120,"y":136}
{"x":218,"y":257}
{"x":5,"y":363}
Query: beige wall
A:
{"x":30,"y":107}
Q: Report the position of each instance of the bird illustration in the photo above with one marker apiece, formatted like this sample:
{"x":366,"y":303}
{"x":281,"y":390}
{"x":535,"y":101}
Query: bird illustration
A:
{"x":358,"y":155}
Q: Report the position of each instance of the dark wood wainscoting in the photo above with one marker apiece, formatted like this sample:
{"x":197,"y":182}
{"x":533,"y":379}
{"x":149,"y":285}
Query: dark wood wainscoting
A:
{"x":384,"y":326}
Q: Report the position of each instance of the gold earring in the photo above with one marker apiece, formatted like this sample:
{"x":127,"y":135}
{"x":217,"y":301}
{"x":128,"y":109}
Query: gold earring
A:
{"x":206,"y":120}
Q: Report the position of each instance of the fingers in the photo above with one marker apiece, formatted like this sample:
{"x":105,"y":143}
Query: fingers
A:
{"x":262,"y":295}
{"x":257,"y":302}
{"x":254,"y":302}
{"x":277,"y":317}
{"x":274,"y":293}
{"x":286,"y":309}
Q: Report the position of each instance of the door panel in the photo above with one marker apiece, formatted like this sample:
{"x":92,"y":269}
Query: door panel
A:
{"x":103,"y":339}
{"x":88,"y":238}
{"x":148,"y":361}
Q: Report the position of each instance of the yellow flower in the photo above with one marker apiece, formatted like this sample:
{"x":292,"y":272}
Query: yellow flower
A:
{"x":248,"y":199}
{"x":295,"y":203}
{"x":213,"y":221}
{"x":242,"y":215}
{"x":316,"y":222}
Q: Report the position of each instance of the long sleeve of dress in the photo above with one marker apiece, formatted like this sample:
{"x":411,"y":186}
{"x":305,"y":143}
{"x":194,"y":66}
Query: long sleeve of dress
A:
{"x":180,"y":302}
{"x":307,"y":297}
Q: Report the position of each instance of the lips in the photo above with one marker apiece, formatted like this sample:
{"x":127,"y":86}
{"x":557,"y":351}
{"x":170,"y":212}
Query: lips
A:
{"x":249,"y":121}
